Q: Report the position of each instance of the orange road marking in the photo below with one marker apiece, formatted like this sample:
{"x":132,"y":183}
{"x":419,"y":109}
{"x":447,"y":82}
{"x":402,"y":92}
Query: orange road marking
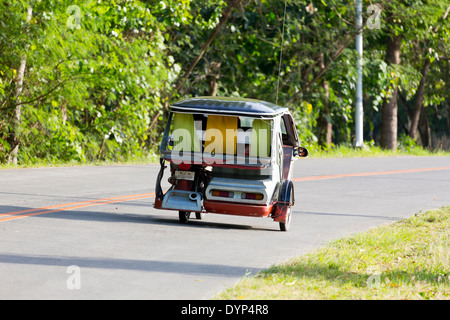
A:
{"x":74,"y":205}
{"x":365,"y":174}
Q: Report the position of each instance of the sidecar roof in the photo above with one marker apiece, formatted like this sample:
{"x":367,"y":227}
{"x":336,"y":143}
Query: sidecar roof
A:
{"x":229,"y":106}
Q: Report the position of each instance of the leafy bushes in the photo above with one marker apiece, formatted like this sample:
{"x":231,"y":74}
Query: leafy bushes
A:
{"x":98,"y":76}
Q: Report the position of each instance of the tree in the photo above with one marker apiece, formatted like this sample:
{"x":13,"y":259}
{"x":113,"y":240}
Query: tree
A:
{"x":87,"y":92}
{"x":404,"y":23}
{"x":430,"y":55}
{"x":100,"y":90}
{"x":389,"y":107}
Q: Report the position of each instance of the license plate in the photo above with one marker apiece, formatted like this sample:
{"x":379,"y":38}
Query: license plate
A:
{"x":185,"y":175}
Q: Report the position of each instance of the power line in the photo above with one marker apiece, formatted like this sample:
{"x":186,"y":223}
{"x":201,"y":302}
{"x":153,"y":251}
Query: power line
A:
{"x":281,"y":52}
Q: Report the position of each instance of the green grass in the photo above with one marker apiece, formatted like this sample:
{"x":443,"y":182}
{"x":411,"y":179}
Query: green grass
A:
{"x":409,"y":259}
{"x":345,"y":151}
{"x":38,"y":163}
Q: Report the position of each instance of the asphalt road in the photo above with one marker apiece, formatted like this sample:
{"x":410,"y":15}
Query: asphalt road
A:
{"x":91,"y":232}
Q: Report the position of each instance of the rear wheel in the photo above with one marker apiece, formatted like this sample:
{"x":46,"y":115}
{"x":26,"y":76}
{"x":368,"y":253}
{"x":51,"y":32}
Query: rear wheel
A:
{"x":199,"y":215}
{"x":184,"y":216}
{"x":287,"y":197}
{"x":285,"y":226}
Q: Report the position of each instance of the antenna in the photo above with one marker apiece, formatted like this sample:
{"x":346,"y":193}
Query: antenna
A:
{"x":281,"y":52}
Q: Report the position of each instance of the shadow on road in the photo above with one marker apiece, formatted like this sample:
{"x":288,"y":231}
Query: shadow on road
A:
{"x":170,"y":219}
{"x":129,"y":264}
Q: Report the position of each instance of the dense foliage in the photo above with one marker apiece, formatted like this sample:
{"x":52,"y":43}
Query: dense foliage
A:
{"x":89,"y":80}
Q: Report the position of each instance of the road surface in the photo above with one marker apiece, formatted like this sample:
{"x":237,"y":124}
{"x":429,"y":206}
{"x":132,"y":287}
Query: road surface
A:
{"x":91,"y":232}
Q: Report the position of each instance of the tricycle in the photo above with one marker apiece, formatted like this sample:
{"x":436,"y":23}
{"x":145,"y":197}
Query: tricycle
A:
{"x":229,"y":156}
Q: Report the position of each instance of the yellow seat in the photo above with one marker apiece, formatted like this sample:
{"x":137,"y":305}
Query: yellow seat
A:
{"x":260,"y":139}
{"x":184,"y":135}
{"x":221,"y":134}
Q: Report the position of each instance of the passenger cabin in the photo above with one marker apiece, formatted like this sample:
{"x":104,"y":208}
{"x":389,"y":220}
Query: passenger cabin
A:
{"x":227,"y":132}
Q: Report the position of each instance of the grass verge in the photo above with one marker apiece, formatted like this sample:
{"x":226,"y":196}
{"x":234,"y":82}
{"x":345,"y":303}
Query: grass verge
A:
{"x":38,"y":163}
{"x":409,"y":259}
{"x":344,"y":151}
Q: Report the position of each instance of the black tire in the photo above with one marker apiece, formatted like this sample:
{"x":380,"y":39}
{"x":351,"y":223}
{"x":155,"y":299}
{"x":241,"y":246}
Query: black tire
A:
{"x":199,"y":215}
{"x":184,"y":216}
{"x":285,"y":226}
{"x":286,"y":193}
{"x":287,"y":196}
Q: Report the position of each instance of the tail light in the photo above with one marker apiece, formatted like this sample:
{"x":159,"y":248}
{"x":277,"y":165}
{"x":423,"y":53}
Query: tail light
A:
{"x":252,"y":196}
{"x":223,"y":194}
{"x":184,"y":166}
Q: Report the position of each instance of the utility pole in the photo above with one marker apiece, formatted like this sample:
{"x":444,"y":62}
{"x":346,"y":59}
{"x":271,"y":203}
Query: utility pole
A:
{"x":359,"y":83}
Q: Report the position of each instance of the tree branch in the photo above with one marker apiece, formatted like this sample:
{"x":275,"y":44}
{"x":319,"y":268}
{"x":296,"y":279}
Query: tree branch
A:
{"x":231,"y":4}
{"x":48,"y":92}
{"x":226,"y":14}
{"x":325,"y":69}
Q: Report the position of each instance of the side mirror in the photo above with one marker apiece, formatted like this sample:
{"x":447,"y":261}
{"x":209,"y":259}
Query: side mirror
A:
{"x":300,"y":152}
{"x":170,"y":141}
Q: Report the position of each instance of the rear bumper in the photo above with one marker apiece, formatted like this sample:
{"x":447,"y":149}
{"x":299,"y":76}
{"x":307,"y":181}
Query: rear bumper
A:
{"x":159,"y":204}
{"x":220,"y":207}
{"x":238,"y":209}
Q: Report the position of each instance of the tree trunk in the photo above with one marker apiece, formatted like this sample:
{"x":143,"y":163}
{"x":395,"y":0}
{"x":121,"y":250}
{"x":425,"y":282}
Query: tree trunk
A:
{"x":18,"y":111}
{"x":424,"y":129}
{"x":420,"y":117}
{"x":448,"y":113}
{"x":389,"y":108}
{"x":418,"y":103}
{"x":325,"y":125}
{"x":214,"y":76}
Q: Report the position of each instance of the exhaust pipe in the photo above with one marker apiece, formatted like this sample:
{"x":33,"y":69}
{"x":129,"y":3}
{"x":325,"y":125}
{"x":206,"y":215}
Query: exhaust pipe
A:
{"x":194,"y":196}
